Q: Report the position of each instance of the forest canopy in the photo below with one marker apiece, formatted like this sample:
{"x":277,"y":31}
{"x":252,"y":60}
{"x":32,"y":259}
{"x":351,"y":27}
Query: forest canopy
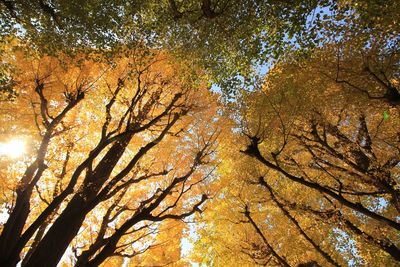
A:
{"x":226,"y":38}
{"x":199,"y":133}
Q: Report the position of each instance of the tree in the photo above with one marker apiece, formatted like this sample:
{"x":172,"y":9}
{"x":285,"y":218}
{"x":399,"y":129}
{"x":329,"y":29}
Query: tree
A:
{"x":319,"y":166}
{"x":99,"y":130}
{"x":124,"y":132}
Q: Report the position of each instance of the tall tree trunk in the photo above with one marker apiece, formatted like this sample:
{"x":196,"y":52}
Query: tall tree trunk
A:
{"x":13,"y":228}
{"x":38,"y":237}
{"x":15,"y":224}
{"x":10,"y":236}
{"x":52,"y":247}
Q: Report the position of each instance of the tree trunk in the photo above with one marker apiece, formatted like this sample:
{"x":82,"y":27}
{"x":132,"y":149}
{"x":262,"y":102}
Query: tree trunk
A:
{"x":52,"y":247}
{"x":12,"y":230}
{"x":67,"y":225}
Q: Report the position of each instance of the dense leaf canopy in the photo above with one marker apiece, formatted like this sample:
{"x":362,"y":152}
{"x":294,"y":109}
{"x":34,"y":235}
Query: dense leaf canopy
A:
{"x":199,"y":132}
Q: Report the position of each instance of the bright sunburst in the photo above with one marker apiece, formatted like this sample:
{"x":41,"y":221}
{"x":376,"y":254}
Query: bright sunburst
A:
{"x":13,"y":149}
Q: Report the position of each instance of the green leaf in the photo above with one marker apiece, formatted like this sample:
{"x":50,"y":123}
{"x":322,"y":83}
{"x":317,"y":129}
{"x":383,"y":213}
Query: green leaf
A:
{"x":385,"y":115}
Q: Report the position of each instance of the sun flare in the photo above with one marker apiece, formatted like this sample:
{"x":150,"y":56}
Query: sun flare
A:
{"x":13,"y":149}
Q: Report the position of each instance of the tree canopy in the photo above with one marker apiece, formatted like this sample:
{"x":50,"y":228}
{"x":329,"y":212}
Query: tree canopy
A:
{"x":199,"y":133}
{"x":227,"y":38}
